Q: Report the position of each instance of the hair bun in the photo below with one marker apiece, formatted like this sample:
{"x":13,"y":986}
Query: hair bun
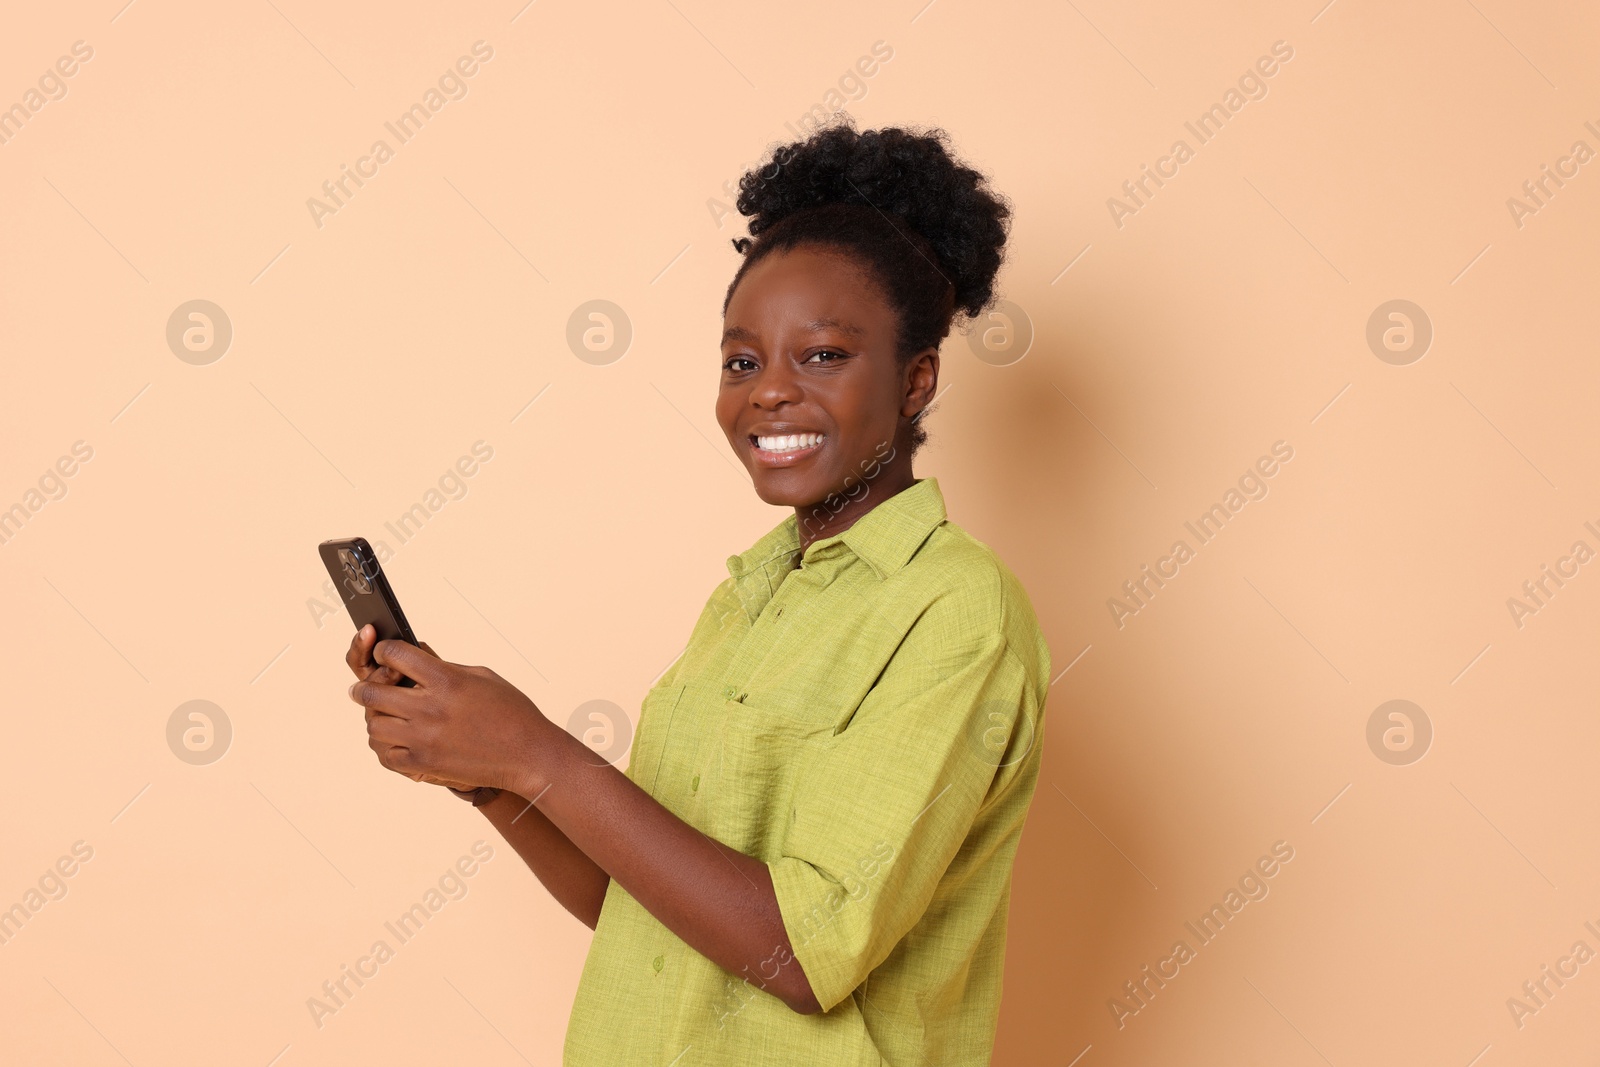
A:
{"x":906,"y":174}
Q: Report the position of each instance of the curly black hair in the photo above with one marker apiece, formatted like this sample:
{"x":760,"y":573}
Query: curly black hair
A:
{"x":927,"y":227}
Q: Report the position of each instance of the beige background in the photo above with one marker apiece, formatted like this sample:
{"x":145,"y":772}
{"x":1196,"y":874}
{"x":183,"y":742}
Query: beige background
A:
{"x":1228,"y":313}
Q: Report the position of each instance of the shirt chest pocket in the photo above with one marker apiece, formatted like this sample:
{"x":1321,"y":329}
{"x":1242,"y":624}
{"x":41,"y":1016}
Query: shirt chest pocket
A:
{"x":727,"y":767}
{"x":762,"y":755}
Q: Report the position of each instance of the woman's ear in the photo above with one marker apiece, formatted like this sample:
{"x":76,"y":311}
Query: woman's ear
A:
{"x":922,"y":382}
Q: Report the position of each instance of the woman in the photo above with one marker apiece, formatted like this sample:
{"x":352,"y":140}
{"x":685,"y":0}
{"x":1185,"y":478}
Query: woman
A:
{"x":808,"y":859}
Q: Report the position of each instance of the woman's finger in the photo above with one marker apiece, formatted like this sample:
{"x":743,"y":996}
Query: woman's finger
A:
{"x":388,"y":730}
{"x":382,"y":675}
{"x":402,"y":703}
{"x":371,"y":713}
{"x":413,"y":662}
{"x":359,"y":657}
{"x":387,"y":753}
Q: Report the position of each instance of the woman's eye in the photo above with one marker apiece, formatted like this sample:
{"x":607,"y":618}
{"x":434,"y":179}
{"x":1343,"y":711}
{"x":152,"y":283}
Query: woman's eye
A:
{"x":729,"y":365}
{"x":826,"y":352}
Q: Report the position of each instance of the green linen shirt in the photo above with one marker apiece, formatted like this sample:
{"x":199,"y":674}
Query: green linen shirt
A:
{"x":868,"y":723}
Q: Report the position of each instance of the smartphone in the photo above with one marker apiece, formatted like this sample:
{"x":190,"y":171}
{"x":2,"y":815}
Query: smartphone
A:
{"x":365,"y":589}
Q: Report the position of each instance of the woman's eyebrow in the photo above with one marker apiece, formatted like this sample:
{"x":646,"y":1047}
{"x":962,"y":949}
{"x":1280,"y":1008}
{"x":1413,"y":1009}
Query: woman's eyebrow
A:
{"x":833,"y":324}
{"x":740,"y":333}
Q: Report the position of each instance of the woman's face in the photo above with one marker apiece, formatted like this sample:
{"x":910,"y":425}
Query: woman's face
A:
{"x":808,"y":351}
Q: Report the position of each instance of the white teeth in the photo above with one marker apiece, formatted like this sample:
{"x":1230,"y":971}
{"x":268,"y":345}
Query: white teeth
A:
{"x":789,"y":443}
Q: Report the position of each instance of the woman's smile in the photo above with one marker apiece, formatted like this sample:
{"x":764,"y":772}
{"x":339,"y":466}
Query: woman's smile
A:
{"x":784,"y":449}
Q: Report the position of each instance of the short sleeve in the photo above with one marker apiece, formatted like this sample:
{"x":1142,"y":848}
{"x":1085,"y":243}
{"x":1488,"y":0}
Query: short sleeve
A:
{"x":880,"y":814}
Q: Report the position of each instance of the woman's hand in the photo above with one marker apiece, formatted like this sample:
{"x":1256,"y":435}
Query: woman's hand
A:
{"x":359,"y":659}
{"x":459,"y":726}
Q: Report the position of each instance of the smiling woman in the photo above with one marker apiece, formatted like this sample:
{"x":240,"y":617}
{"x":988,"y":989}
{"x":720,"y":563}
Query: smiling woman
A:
{"x":826,"y":791}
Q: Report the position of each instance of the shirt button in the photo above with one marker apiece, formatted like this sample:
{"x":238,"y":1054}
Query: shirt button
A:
{"x":728,"y":692}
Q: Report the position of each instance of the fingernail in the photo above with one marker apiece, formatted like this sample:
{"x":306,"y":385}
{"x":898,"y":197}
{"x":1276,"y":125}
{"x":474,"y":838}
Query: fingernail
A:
{"x":351,"y":692}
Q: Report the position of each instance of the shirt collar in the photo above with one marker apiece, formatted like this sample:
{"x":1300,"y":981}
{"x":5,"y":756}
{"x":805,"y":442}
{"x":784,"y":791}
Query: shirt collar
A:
{"x":885,"y":537}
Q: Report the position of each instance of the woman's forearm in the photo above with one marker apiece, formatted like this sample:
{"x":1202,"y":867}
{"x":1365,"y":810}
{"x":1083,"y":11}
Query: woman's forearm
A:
{"x":718,"y":900}
{"x":575,"y":880}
